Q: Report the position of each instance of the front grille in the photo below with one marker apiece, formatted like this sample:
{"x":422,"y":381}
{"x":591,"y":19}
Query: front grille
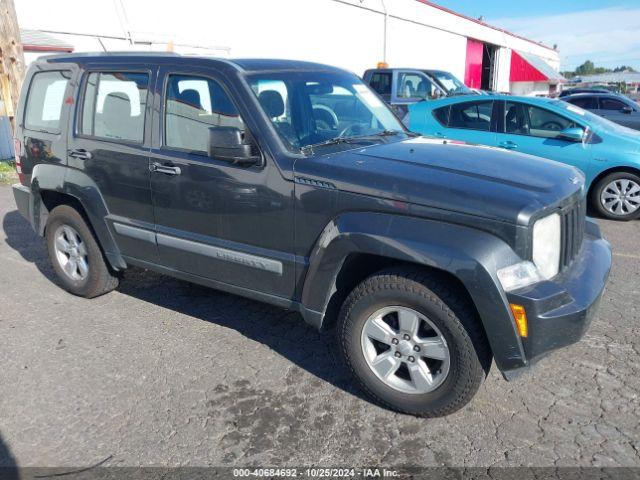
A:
{"x":572,"y":221}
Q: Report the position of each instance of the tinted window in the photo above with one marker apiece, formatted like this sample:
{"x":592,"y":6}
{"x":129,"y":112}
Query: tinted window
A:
{"x":611,"y":104}
{"x":381,"y":83}
{"x":114,"y":106}
{"x":45,"y":99}
{"x":471,"y":115}
{"x":525,"y":119}
{"x":588,"y":103}
{"x":414,"y":85}
{"x":192,"y":106}
{"x":442,"y":115}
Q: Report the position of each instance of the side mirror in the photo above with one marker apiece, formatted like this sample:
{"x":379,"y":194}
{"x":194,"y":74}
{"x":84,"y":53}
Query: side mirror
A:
{"x":227,"y":143}
{"x":574,"y":134}
{"x":627,"y":110}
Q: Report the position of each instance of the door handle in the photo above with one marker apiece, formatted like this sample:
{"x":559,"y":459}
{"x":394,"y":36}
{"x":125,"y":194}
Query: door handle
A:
{"x":80,"y":154}
{"x":509,"y":145}
{"x":439,"y":135}
{"x":166,"y":169}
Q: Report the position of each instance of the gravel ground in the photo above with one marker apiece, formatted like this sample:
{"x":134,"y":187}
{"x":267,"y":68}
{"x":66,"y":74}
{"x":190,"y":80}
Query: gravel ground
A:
{"x":162,"y":372}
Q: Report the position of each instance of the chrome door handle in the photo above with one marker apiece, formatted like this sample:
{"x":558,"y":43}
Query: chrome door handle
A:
{"x":166,"y":169}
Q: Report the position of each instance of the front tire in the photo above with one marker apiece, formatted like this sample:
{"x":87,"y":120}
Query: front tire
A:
{"x":75,"y":255}
{"x":617,"y":196}
{"x":413,"y":342}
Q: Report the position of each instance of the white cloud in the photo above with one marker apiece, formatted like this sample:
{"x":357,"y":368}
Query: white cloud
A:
{"x":607,"y":36}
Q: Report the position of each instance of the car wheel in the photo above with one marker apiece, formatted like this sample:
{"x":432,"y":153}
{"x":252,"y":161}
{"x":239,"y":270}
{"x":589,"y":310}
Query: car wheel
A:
{"x":75,"y":255}
{"x":413,"y":342}
{"x":617,"y":196}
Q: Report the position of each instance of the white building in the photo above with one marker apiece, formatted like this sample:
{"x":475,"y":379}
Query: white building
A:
{"x":353,"y":34}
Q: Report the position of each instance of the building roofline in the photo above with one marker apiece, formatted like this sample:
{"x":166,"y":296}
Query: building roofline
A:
{"x":479,"y":22}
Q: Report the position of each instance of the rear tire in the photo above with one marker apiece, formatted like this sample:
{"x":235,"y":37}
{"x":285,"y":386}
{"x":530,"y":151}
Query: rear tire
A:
{"x":446,"y":319}
{"x":75,"y":255}
{"x":617,"y":196}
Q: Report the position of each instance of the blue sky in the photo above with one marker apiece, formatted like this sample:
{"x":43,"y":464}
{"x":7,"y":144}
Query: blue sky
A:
{"x":604,"y":31}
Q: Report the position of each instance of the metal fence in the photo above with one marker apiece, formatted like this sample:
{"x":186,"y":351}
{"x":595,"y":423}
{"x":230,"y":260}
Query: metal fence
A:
{"x":6,"y":139}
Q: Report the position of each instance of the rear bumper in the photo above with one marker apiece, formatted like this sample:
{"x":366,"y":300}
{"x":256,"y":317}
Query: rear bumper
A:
{"x":560,"y":311}
{"x":22,"y":196}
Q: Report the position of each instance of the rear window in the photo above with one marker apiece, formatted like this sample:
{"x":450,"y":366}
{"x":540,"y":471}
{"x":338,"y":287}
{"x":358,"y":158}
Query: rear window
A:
{"x":588,"y":103}
{"x":114,"y":106}
{"x":381,"y":83}
{"x":44,"y":101}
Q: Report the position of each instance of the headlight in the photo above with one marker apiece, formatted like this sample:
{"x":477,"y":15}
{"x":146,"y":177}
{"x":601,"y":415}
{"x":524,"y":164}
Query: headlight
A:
{"x":546,"y":257}
{"x":546,"y":245}
{"x":518,"y":276}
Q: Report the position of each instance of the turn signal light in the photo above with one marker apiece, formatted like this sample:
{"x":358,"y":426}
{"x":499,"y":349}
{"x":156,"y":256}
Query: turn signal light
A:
{"x":520,"y":316}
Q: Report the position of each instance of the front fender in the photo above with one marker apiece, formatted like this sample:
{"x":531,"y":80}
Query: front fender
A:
{"x":80,"y":186}
{"x":470,"y":255}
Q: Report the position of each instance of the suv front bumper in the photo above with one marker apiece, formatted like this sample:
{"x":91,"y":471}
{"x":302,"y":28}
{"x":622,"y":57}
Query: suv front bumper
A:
{"x":560,"y":310}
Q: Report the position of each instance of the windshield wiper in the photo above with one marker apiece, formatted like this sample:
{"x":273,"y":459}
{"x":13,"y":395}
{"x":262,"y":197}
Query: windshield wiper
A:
{"x":332,"y":141}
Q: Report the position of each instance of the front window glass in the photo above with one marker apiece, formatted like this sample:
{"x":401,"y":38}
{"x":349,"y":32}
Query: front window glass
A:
{"x":381,"y":83}
{"x":312,"y":108}
{"x":192,"y":106}
{"x":450,"y":83}
{"x":611,"y":104}
{"x":525,"y":119}
{"x":414,"y":85}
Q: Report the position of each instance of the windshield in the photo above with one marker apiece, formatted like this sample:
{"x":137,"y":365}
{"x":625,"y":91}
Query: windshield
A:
{"x":450,"y":83}
{"x":312,"y":108}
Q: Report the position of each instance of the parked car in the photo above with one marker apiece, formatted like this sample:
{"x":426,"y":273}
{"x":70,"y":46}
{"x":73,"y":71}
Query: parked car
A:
{"x":607,"y":153}
{"x":401,"y":87}
{"x":432,"y":257}
{"x":617,"y":108}
{"x":573,"y":91}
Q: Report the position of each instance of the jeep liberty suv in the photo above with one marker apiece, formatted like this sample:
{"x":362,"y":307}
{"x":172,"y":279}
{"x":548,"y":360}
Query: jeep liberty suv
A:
{"x":292,"y":183}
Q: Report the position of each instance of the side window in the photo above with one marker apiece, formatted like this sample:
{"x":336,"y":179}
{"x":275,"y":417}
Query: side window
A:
{"x":45,"y":100}
{"x":611,"y":104}
{"x":381,"y":82}
{"x":273,"y":95}
{"x":413,"y":85}
{"x":442,"y":115}
{"x":546,"y":124}
{"x":114,"y":106}
{"x":471,"y":115}
{"x":588,"y":103}
{"x":192,"y":106}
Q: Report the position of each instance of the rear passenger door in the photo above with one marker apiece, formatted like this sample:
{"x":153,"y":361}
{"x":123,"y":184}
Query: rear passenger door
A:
{"x":110,"y":144}
{"x":468,"y":121}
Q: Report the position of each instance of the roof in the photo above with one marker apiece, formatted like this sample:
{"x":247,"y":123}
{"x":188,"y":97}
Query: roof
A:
{"x":34,"y":40}
{"x":611,"y":77}
{"x":487,"y":97}
{"x":528,"y":67}
{"x":247,"y":65}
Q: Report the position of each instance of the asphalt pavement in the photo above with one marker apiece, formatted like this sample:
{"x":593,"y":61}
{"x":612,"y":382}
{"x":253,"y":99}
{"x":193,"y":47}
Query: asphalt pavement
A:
{"x":163,"y":372}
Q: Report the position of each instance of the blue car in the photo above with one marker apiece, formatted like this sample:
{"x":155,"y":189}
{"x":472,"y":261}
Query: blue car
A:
{"x":607,"y":153}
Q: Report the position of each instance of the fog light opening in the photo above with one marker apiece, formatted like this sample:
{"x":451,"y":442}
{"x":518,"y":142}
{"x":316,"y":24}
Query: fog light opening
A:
{"x":520,"y":316}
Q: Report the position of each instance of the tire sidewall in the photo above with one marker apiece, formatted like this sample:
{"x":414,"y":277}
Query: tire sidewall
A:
{"x":67,"y":216}
{"x":597,"y":192}
{"x":453,"y":332}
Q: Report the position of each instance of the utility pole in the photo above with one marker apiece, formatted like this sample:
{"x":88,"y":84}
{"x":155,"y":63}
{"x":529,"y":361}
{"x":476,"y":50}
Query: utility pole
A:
{"x":11,"y":59}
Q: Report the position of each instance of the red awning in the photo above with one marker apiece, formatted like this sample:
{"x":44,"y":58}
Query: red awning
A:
{"x":529,"y":68}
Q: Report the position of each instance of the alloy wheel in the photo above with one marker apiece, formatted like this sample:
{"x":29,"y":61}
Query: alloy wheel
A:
{"x":71,"y":253}
{"x":405,"y":350}
{"x":621,"y":197}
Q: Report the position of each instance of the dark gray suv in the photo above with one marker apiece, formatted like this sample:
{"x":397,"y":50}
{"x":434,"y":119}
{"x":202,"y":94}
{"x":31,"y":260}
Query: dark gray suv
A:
{"x":294,"y":184}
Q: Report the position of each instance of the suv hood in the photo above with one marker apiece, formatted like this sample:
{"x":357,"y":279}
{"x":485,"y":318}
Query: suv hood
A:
{"x":456,"y":176}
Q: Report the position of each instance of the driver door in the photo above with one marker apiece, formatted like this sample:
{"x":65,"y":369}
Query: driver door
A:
{"x":534,"y":130}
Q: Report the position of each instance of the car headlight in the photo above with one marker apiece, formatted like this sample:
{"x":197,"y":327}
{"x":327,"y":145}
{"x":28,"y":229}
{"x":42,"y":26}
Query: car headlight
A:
{"x":546,"y":257}
{"x":546,"y":245}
